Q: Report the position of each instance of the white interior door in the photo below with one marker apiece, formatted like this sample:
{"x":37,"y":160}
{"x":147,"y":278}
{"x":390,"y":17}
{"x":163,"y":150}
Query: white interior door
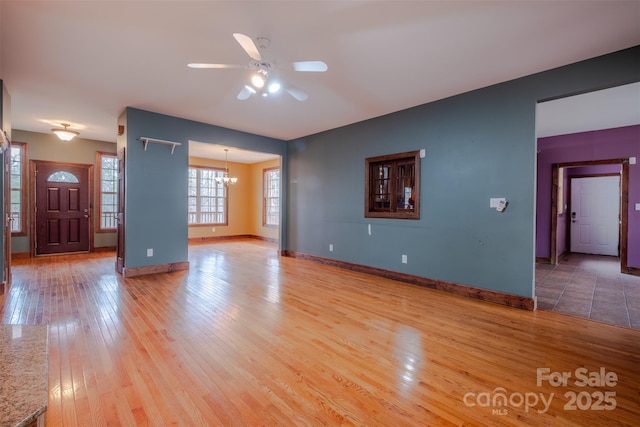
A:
{"x":595,"y":213}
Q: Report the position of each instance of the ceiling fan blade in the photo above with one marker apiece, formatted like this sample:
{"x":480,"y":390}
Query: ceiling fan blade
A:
{"x":313,"y":66}
{"x":248,"y":45}
{"x":203,"y":65}
{"x":296,"y":93}
{"x":245,"y":93}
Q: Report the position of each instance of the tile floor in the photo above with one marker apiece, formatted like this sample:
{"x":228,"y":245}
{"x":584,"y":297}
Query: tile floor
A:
{"x":590,"y":286}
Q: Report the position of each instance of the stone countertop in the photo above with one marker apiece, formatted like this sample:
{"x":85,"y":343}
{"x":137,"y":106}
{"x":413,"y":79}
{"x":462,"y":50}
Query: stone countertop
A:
{"x":23,"y":373}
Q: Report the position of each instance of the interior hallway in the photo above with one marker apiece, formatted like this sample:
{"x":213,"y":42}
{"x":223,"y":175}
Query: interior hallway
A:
{"x":590,"y":286}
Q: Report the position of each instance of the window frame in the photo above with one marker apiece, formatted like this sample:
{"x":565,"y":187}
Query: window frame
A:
{"x":392,"y":161}
{"x":23,"y":183}
{"x":266,"y":197}
{"x":219,"y":172}
{"x":99,"y":156}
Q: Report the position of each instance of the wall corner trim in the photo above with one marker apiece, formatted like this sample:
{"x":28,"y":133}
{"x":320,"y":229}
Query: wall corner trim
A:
{"x":153,"y":269}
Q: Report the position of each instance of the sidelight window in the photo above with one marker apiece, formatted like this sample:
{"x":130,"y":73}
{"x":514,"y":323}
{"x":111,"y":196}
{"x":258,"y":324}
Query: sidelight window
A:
{"x":107,"y":190}
{"x":18,"y":178}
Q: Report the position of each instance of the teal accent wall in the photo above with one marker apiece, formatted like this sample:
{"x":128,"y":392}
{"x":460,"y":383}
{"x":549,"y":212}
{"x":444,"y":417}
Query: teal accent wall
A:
{"x":479,"y":145}
{"x":156,"y":181}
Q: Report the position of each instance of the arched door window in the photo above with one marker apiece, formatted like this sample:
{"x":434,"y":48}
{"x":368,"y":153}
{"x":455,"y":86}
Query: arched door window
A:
{"x":63,"y":176}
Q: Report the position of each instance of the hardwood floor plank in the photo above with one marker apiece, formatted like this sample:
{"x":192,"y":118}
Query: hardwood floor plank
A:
{"x":248,"y":338}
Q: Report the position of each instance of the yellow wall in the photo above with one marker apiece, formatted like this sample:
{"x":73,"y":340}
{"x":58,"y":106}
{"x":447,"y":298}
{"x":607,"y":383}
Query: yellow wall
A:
{"x":245,"y":201}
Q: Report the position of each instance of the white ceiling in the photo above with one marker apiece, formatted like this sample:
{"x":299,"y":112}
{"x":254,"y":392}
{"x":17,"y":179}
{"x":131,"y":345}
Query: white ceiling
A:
{"x":603,"y":109}
{"x":83,"y":62}
{"x":235,"y":155}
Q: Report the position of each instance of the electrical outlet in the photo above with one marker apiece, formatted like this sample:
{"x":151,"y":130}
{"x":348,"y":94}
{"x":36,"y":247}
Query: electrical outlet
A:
{"x":404,"y":259}
{"x":213,"y":229}
{"x":150,"y":252}
{"x":331,"y":247}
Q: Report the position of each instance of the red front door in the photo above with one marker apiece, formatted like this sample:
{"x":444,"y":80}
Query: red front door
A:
{"x":62,"y":208}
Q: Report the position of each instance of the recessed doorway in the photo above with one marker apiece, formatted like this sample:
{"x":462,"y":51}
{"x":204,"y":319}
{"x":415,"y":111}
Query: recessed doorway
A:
{"x":61,"y":196}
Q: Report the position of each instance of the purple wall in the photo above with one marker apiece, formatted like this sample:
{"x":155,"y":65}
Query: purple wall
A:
{"x":605,"y":144}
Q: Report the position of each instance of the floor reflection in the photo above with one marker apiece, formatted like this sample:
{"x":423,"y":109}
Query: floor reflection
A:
{"x":409,"y":354}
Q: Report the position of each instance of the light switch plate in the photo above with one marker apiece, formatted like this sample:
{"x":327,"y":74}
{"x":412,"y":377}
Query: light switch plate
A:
{"x":638,"y":206}
{"x":494,"y":202}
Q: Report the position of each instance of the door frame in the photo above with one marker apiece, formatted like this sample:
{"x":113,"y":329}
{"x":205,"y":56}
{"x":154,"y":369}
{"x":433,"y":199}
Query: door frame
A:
{"x":624,"y":206}
{"x":120,"y":215}
{"x":32,"y":201}
{"x":5,"y":148}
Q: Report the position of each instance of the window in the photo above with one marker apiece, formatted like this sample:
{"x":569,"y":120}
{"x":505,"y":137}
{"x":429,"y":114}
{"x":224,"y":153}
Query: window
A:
{"x":271,"y":197}
{"x":63,"y":176}
{"x":108,"y":190}
{"x":18,"y":176}
{"x":392,"y":186}
{"x":207,"y":198}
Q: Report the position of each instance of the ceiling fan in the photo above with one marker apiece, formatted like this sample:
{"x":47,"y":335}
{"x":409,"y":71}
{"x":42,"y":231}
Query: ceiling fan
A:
{"x":264,"y":79}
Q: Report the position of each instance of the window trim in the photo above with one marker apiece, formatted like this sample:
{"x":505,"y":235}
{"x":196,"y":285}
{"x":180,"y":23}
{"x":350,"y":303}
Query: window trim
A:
{"x":99,"y":155}
{"x":226,"y":200}
{"x":23,"y":185}
{"x":264,"y":196}
{"x":393,"y":159}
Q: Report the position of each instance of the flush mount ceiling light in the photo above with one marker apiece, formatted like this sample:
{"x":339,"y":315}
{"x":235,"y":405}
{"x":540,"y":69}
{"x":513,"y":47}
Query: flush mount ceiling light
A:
{"x":65,"y":134}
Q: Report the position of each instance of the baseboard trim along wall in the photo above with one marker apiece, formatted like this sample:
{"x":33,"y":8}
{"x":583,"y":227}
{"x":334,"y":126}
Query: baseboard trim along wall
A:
{"x":211,"y":239}
{"x":153,"y":269}
{"x":510,"y":300}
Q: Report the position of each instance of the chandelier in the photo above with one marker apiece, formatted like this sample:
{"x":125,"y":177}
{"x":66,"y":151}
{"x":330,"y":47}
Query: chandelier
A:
{"x":226,"y":179}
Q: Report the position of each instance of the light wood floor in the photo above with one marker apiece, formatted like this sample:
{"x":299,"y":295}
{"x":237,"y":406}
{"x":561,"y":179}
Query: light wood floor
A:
{"x":247,"y":338}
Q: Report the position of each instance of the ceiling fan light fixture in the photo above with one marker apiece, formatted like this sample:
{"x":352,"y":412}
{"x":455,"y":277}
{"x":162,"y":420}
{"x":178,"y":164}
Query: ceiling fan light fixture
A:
{"x":65,"y":134}
{"x":273,"y":87}
{"x":257,"y":80}
{"x":260,"y":80}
